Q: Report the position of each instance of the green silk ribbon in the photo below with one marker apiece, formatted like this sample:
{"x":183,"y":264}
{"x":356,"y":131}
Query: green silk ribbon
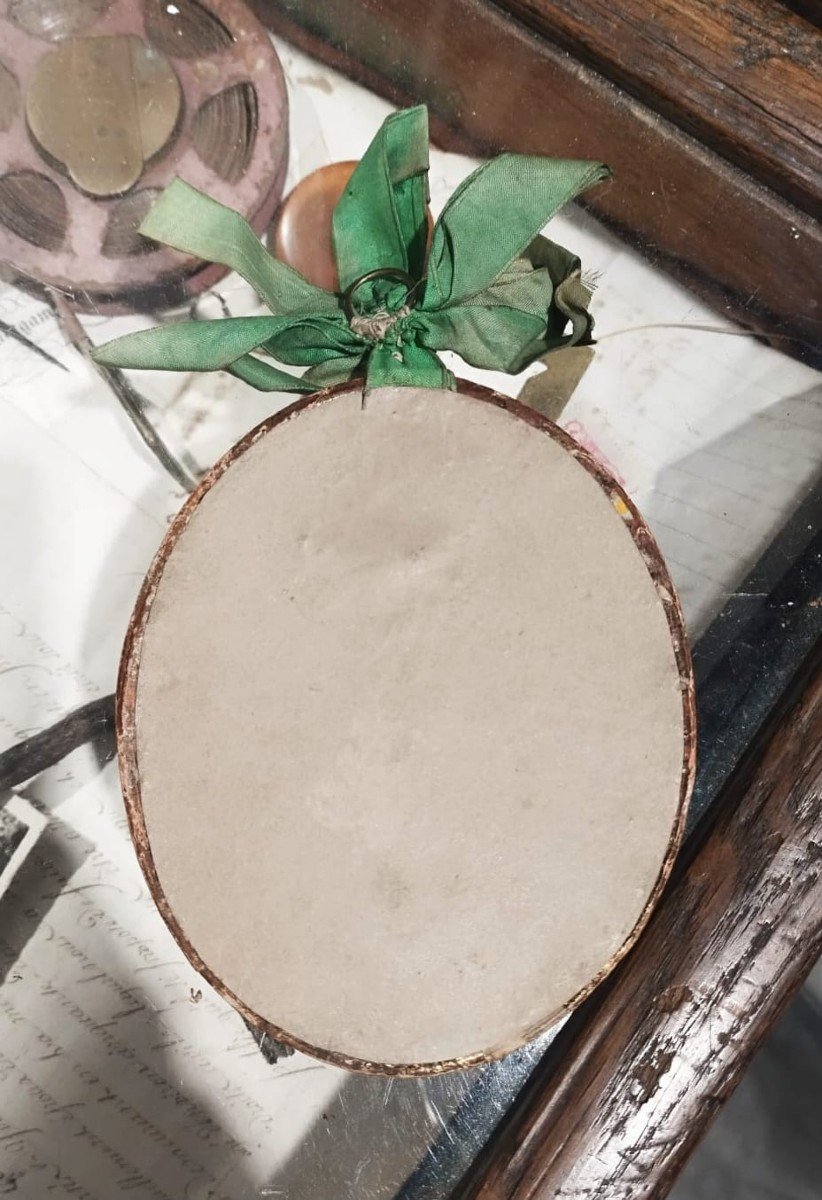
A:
{"x":489,"y":288}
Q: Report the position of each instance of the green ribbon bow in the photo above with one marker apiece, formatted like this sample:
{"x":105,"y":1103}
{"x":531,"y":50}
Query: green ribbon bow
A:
{"x":489,"y":288}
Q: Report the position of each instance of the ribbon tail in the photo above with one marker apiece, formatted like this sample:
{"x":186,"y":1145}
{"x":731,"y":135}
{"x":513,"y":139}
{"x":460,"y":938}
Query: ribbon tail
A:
{"x":336,"y":370}
{"x":413,"y":366}
{"x":189,"y":345}
{"x":572,"y":298}
{"x":265,"y":378}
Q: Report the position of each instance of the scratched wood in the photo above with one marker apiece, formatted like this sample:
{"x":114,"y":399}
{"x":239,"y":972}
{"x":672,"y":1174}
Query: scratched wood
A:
{"x":631,"y":1084}
{"x":744,"y":76}
{"x":492,"y":84}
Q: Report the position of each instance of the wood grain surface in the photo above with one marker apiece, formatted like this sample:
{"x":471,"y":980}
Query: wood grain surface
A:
{"x":633,"y":1080}
{"x":745,"y":77}
{"x":491,"y":84}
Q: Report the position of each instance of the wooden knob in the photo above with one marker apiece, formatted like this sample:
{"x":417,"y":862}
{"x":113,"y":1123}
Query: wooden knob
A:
{"x":302,"y":227}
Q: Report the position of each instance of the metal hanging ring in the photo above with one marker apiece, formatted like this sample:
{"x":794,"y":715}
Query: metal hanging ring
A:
{"x":394,"y":273}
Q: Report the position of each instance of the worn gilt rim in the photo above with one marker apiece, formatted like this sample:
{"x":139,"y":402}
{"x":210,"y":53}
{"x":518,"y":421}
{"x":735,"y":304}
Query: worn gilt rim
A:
{"x":126,"y":702}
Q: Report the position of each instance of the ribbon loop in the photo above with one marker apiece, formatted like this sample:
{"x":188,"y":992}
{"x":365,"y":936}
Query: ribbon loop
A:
{"x":380,"y":219}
